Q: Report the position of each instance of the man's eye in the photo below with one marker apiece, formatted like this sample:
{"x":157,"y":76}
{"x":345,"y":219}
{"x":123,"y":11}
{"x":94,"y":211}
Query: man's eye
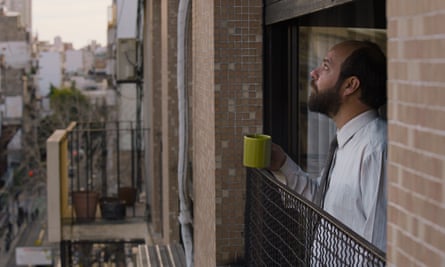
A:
{"x":325,"y":67}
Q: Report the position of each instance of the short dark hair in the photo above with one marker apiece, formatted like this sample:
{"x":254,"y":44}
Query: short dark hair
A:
{"x":368,"y":63}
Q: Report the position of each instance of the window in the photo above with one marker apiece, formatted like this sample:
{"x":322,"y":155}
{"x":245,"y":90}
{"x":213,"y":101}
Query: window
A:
{"x":292,"y":49}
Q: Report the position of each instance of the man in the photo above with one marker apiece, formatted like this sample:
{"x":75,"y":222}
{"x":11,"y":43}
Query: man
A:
{"x":349,"y":86}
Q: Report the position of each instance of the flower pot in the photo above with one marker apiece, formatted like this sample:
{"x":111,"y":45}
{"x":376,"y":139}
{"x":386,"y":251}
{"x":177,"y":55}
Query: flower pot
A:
{"x":112,"y":208}
{"x":128,"y":195}
{"x":85,"y":204}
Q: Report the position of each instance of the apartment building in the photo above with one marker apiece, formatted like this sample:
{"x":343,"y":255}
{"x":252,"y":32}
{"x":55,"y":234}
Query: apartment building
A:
{"x":215,"y":71}
{"x":246,"y":67}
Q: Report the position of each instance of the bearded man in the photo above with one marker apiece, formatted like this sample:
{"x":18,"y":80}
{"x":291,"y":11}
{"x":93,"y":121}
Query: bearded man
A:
{"x":349,"y":86}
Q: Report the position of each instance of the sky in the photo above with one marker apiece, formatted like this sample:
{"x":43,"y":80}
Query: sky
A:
{"x":78,"y":22}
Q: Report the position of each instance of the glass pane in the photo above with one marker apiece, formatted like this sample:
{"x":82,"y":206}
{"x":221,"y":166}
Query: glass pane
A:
{"x":317,"y":130}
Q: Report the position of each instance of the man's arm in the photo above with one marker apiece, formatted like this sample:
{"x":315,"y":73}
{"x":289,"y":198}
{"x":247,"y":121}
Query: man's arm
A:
{"x":296,"y":178}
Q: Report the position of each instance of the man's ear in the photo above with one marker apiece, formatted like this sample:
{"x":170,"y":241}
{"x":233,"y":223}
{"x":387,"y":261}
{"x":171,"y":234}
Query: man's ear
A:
{"x":351,"y":85}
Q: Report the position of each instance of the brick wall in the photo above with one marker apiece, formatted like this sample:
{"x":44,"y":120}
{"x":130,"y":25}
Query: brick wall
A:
{"x":416,"y":169}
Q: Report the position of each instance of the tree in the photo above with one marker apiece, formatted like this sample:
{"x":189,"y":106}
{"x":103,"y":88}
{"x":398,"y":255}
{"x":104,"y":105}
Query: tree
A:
{"x":67,"y":105}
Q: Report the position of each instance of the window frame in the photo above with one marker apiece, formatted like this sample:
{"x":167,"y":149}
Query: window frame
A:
{"x":281,"y":63}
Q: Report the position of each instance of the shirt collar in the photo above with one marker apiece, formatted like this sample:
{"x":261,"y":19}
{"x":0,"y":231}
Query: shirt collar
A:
{"x":351,"y":127}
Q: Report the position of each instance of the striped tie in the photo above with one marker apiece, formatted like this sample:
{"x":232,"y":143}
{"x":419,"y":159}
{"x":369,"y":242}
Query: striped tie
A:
{"x":324,"y":183}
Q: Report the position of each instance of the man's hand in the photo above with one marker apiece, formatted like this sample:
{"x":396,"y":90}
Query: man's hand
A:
{"x":277,"y":157}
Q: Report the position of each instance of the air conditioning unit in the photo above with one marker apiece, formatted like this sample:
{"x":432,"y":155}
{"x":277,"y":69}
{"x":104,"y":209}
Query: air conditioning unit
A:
{"x":126,"y":61}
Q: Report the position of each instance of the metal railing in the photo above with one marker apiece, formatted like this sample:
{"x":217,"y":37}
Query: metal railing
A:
{"x":105,"y":163}
{"x":99,"y":253}
{"x":284,"y":229}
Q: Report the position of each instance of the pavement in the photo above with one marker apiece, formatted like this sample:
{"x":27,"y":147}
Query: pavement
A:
{"x":30,"y":234}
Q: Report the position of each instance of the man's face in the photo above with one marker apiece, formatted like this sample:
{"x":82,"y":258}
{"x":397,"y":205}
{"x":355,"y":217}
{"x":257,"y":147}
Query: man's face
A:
{"x":325,"y":95}
{"x":326,"y":101}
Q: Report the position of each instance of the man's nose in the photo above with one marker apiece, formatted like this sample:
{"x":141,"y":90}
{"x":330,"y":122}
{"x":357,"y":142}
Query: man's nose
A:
{"x":314,"y":74}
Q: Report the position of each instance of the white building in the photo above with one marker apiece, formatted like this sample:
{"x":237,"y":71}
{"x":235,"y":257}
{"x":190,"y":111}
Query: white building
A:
{"x":49,"y":72}
{"x":17,"y":54}
{"x":58,"y":44}
{"x":123,"y":16}
{"x":14,"y":107}
{"x":126,"y":20}
{"x":74,"y":62}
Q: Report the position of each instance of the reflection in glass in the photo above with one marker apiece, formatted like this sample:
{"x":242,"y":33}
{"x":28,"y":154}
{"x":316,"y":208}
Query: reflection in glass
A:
{"x":317,"y":130}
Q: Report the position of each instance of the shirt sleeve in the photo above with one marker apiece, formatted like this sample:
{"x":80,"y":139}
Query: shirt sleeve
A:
{"x":374,"y":196}
{"x":298,"y":180}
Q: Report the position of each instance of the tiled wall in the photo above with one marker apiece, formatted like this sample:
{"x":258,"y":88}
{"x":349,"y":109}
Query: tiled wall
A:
{"x":169,"y":106}
{"x":152,"y":110}
{"x":162,"y":109}
{"x":227,"y":89}
{"x":238,"y":111}
{"x":416,"y":169}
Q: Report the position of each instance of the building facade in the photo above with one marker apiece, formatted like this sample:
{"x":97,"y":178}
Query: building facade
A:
{"x":24,"y":8}
{"x":416,"y":212}
{"x":245,"y":65}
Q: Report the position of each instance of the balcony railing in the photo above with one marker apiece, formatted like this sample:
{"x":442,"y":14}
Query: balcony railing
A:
{"x":105,"y":164}
{"x":97,"y":166}
{"x":99,"y":253}
{"x":284,"y":229}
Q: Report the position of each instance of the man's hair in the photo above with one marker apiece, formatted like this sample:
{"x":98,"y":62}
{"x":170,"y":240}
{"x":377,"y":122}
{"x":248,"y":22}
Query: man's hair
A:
{"x":368,"y":63}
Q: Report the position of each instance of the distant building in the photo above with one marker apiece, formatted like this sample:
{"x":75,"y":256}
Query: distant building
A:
{"x":15,"y":54}
{"x":24,"y":9}
{"x":14,"y":43}
{"x":126,"y":23}
{"x":60,"y":65}
{"x":15,"y":65}
{"x":49,"y":72}
{"x":122,"y":28}
{"x":74,"y":62}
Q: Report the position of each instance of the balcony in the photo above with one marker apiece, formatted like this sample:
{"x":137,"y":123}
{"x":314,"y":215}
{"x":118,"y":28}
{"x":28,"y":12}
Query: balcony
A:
{"x":284,"y":229}
{"x":101,"y":167}
{"x":96,"y":196}
{"x":102,"y":160}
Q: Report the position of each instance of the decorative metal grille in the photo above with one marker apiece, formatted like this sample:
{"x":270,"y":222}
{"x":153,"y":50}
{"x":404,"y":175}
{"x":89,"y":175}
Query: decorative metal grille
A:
{"x":105,"y":160}
{"x":284,"y":229}
{"x":99,"y":252}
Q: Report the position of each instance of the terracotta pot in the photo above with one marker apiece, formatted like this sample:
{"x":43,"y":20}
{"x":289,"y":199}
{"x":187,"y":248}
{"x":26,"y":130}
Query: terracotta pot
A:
{"x":85,"y":204}
{"x":128,"y":195}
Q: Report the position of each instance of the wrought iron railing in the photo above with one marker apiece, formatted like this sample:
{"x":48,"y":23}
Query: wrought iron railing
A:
{"x":99,"y":253}
{"x":105,"y":164}
{"x":284,"y":229}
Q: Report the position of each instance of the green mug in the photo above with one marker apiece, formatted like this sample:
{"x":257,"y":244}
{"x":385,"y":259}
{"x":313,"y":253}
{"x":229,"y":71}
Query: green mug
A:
{"x":257,"y":150}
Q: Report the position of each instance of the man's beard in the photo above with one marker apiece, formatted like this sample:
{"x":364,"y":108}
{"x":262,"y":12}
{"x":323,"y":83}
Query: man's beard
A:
{"x":326,"y":102}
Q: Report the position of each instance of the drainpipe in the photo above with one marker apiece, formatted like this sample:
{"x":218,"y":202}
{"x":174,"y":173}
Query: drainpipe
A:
{"x":185,"y":217}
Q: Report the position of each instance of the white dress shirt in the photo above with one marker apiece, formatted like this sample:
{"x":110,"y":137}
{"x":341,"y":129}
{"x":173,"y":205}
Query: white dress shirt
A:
{"x":356,"y":194}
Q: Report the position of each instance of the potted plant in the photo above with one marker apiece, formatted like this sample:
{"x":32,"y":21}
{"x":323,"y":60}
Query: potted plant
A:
{"x":127,"y":195}
{"x":85,"y":204}
{"x":112,"y":208}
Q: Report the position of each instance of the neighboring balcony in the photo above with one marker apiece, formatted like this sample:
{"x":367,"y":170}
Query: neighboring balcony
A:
{"x":97,"y":200}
